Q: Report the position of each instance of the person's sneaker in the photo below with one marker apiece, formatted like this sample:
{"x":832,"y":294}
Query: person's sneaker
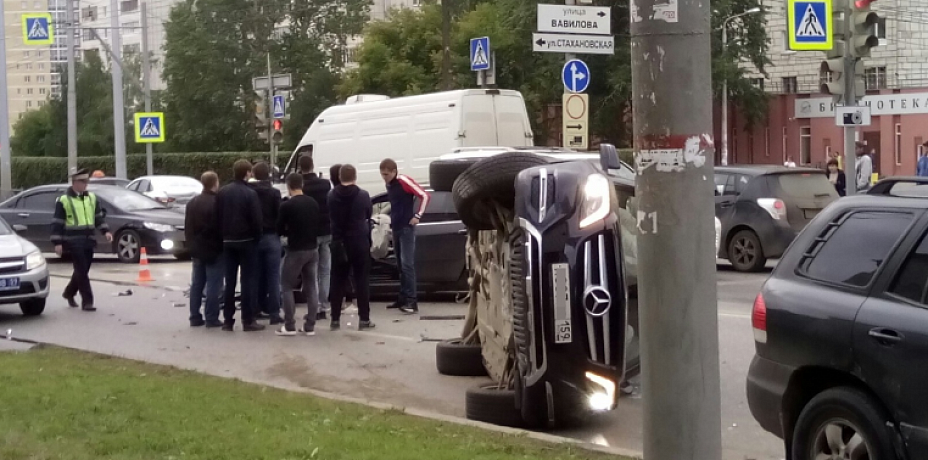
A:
{"x":366,"y":325}
{"x":228,"y":327}
{"x":334,"y":325}
{"x":283,"y":331}
{"x":410,"y":309}
{"x":197,"y":322}
{"x":253,"y":327}
{"x":320,"y":315}
{"x":71,"y":302}
{"x":88,"y":307}
{"x":213,"y":324}
{"x":276,"y":320}
{"x":310,"y":331}
{"x":262,"y":315}
{"x":395,"y":305}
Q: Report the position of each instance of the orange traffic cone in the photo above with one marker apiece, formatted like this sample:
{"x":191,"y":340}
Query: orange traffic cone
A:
{"x":144,"y":273}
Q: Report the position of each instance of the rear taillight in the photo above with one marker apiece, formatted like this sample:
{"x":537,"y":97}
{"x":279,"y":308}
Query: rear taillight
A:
{"x":759,"y":319}
{"x":775,"y":207}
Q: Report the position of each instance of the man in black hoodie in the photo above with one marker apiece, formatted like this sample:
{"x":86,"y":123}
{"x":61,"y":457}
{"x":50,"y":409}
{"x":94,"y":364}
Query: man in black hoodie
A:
{"x":238,"y":214}
{"x":205,"y":242}
{"x":269,"y":249}
{"x":318,"y":189}
{"x":350,"y":213}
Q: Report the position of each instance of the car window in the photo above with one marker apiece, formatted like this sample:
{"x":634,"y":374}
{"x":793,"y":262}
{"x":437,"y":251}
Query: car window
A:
{"x":720,"y":181}
{"x":741,"y":183}
{"x":177,"y":183}
{"x":144,"y":185}
{"x":807,"y":185}
{"x":382,"y":208}
{"x":852,"y":249}
{"x":127,"y":200}
{"x":441,"y":208}
{"x":730,"y":189}
{"x":40,"y":201}
{"x":134,"y":185}
{"x":912,"y":281}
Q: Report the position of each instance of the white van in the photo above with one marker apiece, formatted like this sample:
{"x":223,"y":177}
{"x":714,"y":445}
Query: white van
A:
{"x":412,"y":130}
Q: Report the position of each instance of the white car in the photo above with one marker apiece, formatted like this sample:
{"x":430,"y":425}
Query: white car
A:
{"x":718,"y":235}
{"x":23,"y":272}
{"x":167,"y":189}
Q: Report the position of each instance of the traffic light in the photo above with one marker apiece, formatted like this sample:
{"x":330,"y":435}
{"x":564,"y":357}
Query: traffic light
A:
{"x":863,"y":28}
{"x":261,"y":116}
{"x":277,"y":134}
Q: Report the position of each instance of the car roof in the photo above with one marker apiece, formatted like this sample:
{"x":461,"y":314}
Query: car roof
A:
{"x":759,"y":170}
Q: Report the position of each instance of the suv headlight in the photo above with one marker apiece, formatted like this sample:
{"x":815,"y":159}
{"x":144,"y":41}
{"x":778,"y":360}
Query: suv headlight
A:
{"x":159,"y":227}
{"x":595,"y":204}
{"x":34,"y":260}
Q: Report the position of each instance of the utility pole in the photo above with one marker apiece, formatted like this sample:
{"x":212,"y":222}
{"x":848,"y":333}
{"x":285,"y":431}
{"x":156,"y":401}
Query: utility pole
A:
{"x":270,"y":110}
{"x":119,"y":116}
{"x":446,"y":82}
{"x":146,"y":83}
{"x":6,"y":175}
{"x":672,"y":84}
{"x":70,"y":29}
{"x":724,"y":98}
{"x":850,"y":99}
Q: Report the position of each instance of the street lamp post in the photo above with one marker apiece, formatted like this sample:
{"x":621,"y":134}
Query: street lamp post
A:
{"x":725,"y":82}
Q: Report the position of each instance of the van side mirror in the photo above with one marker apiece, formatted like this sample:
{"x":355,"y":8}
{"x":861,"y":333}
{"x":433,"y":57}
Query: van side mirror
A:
{"x":19,"y":228}
{"x":609,"y":157}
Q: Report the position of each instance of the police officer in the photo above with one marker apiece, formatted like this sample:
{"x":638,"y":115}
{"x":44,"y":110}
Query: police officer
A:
{"x":76,"y":217}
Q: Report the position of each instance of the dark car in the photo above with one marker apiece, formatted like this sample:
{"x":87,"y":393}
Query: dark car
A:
{"x":135,"y":220}
{"x":841,"y":331}
{"x":762,"y":208}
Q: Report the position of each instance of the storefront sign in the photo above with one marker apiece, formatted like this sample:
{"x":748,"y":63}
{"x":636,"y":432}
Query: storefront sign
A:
{"x":884,"y":104}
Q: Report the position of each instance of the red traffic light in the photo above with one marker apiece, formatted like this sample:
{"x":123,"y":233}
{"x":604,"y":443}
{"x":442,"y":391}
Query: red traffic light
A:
{"x":278,"y":125}
{"x":863,"y":3}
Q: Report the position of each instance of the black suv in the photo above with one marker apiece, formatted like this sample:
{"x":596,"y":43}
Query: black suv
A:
{"x":841,"y":331}
{"x":762,"y":208}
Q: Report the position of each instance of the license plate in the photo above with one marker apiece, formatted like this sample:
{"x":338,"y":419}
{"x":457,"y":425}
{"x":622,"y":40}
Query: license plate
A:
{"x":9,"y":284}
{"x":560,"y":280}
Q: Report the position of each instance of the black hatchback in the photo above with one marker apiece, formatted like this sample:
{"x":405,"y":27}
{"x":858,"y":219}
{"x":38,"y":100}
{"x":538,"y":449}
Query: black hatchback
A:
{"x":762,"y":208}
{"x":841,"y":331}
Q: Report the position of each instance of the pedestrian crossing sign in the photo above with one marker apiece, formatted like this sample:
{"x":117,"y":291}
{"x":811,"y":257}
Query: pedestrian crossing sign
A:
{"x":149,"y":127}
{"x":38,"y":29}
{"x":480,"y":54}
{"x":810,"y":25}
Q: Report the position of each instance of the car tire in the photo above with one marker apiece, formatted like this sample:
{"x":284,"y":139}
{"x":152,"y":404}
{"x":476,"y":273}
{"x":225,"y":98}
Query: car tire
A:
{"x":32,"y":307}
{"x":443,"y":173}
{"x":490,"y":404}
{"x":128,"y":246}
{"x":745,"y":252}
{"x":853,"y":413}
{"x":488,"y":183}
{"x":454,"y":357}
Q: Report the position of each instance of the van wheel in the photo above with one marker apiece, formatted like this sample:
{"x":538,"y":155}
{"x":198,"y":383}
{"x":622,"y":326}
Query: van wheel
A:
{"x":491,"y":404}
{"x":443,"y":173}
{"x":842,"y":423}
{"x":454,"y":357}
{"x":745,"y":252}
{"x":489,"y":183}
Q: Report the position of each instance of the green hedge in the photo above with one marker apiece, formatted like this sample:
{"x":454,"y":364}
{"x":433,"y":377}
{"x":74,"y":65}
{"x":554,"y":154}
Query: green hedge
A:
{"x":32,"y":171}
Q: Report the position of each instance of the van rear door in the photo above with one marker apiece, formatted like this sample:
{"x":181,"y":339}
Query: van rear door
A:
{"x":479,"y":120}
{"x":512,"y":125}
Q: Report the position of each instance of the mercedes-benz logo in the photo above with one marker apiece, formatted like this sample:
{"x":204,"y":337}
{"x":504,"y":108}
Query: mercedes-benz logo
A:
{"x":597,"y":300}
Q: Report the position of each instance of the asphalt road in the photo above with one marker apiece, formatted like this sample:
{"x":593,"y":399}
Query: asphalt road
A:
{"x":393,"y":364}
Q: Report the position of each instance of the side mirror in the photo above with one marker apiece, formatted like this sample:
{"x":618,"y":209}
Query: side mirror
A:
{"x":19,"y":228}
{"x":609,"y":157}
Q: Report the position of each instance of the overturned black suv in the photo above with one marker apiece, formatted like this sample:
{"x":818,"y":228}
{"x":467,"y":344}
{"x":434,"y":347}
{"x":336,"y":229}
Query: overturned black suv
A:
{"x":553,"y":311}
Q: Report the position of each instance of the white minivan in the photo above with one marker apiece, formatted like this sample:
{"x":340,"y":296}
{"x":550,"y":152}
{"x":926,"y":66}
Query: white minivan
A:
{"x":412,"y":130}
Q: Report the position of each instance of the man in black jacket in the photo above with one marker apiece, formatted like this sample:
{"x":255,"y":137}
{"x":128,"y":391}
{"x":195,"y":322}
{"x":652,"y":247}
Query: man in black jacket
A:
{"x":238,"y":214}
{"x":318,"y":189}
{"x":299,"y":221}
{"x":269,"y":249}
{"x":350,"y":213}
{"x":205,"y":242}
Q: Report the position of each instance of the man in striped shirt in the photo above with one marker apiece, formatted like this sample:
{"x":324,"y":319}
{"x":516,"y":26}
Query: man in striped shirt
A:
{"x":402,"y":192}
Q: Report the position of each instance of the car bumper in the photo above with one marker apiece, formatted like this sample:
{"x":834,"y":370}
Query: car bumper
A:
{"x":33,"y":284}
{"x":766,"y":384}
{"x":163,"y":242}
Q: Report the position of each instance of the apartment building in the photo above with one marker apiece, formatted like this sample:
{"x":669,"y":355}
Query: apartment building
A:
{"x":800,"y":121}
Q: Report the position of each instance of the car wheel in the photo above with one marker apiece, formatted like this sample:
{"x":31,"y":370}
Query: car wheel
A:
{"x":128,"y":246}
{"x":489,"y":183}
{"x":745,"y":252}
{"x":491,"y":404}
{"x":842,"y":423}
{"x":32,"y":307}
{"x":453,"y":357}
{"x":443,"y":173}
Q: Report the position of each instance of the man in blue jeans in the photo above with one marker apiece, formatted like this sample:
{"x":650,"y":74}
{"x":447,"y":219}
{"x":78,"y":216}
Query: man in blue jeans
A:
{"x":318,"y":189}
{"x":269,"y":249}
{"x":205,"y":243}
{"x":402,"y":192}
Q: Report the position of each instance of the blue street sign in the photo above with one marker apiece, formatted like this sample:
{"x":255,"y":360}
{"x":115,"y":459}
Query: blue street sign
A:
{"x":810,"y":24}
{"x":149,"y":127}
{"x":576,"y":76}
{"x":480,"y":54}
{"x":279,"y":107}
{"x":37,"y":29}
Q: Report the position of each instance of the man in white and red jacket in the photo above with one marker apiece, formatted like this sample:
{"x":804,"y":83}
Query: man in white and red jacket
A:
{"x":402,"y":192}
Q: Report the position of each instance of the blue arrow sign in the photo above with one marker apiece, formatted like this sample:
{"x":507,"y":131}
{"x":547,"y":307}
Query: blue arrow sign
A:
{"x":279,"y":107}
{"x":576,"y":76}
{"x":480,"y":54}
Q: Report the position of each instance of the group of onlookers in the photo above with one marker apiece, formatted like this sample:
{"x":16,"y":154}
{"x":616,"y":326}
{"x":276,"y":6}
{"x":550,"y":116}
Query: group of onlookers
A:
{"x":324,"y":230}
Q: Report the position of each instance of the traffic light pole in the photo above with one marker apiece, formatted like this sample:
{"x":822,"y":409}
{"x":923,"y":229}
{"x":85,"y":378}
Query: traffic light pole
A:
{"x":6,"y":175}
{"x":146,"y":83}
{"x":270,"y":113}
{"x":678,"y":311}
{"x":850,"y":99}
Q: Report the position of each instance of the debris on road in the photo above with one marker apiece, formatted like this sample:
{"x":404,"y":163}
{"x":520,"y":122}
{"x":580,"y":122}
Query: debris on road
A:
{"x":131,"y":323}
{"x":178,"y":304}
{"x":125,"y":293}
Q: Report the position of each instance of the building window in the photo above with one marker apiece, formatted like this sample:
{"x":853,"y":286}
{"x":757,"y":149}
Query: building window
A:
{"x":41,"y":103}
{"x":131,"y":26}
{"x":28,"y":90}
{"x":875,"y":77}
{"x":27,"y":79}
{"x":880,"y":29}
{"x":790,"y":85}
{"x":41,"y":90}
{"x":40,"y":78}
{"x":87,"y":34}
{"x":898,"y":144}
{"x":28,"y":66}
{"x":19,"y":90}
{"x":130,"y":50}
{"x":26,"y":54}
{"x":805,"y":145}
{"x":38,"y":54}
{"x":41,"y":66}
{"x":28,"y":103}
{"x":767,"y":142}
{"x":128,"y":5}
{"x":89,"y":13}
{"x":758,"y":83}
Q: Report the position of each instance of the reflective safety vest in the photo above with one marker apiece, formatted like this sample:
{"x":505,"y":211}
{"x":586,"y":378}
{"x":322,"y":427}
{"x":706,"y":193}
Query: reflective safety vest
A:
{"x":80,"y":213}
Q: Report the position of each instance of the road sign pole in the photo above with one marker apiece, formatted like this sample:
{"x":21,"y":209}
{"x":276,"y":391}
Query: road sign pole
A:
{"x":119,"y":116}
{"x":850,"y":99}
{"x":678,"y":308}
{"x":270,"y":98}
{"x":567,"y":58}
{"x":146,"y":83}
{"x":6,"y":175}
{"x":70,"y":29}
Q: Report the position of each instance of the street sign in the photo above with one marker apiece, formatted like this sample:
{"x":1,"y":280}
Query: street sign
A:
{"x":574,"y":44}
{"x":809,"y":23}
{"x":852,"y":116}
{"x":281,"y":81}
{"x":487,"y":77}
{"x":279,"y":107}
{"x":38,"y":29}
{"x":576,"y":120}
{"x":480,"y":54}
{"x":596,"y":20}
{"x":576,"y":76}
{"x":149,"y":127}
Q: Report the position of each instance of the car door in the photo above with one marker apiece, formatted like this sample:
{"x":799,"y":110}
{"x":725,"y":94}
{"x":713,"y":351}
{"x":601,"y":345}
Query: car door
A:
{"x":36,"y":211}
{"x":891,"y":340}
{"x":725,"y":199}
{"x":441,"y":238}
